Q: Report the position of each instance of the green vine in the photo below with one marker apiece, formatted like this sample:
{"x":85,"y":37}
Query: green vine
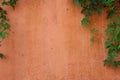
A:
{"x":4,"y":21}
{"x":113,"y":29}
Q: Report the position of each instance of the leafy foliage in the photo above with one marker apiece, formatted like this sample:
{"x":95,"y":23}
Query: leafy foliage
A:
{"x":9,"y":3}
{"x":113,"y":29}
{"x":4,"y":21}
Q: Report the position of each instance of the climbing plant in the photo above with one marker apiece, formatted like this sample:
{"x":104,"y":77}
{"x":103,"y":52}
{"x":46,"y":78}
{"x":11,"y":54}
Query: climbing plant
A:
{"x":112,"y":32}
{"x":4,"y":21}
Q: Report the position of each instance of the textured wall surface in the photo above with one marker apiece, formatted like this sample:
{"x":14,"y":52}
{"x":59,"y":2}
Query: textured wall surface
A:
{"x":47,"y":42}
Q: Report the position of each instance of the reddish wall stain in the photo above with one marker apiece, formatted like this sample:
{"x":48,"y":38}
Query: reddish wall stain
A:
{"x":47,"y":42}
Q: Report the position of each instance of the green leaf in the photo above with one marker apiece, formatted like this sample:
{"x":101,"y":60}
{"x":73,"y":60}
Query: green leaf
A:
{"x":76,"y":2}
{"x":116,"y":64}
{"x":118,"y":20}
{"x":12,"y":3}
{"x":118,"y":46}
{"x":2,"y":56}
{"x":84,"y":9}
{"x":3,"y":34}
{"x":99,"y":10}
{"x":111,"y":13}
{"x":6,"y":26}
{"x":93,"y":30}
{"x":83,"y":3}
{"x":110,"y":29}
{"x":112,"y":55}
{"x":117,"y":34}
{"x":109,"y":2}
{"x":9,"y":3}
{"x":85,"y":22}
{"x":108,"y":43}
{"x":106,"y":62}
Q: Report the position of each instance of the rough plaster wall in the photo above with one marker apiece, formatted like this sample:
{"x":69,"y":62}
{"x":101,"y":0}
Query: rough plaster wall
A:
{"x":47,"y":42}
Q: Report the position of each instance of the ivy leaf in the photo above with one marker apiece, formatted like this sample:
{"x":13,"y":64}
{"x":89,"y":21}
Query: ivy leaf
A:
{"x":5,"y":3}
{"x":6,"y":26}
{"x":117,"y":34}
{"x":110,"y":29}
{"x":106,"y":62}
{"x":82,"y":3}
{"x":84,"y":9}
{"x":76,"y":2}
{"x":9,"y":3}
{"x":99,"y":10}
{"x":85,"y":22}
{"x":116,"y":64}
{"x":93,"y":31}
{"x":12,"y":3}
{"x":108,"y":43}
{"x":118,"y":20}
{"x":109,"y":2}
{"x":2,"y":56}
{"x":3,"y":34}
{"x":118,"y":46}
{"x":112,"y":55}
{"x":111,"y":13}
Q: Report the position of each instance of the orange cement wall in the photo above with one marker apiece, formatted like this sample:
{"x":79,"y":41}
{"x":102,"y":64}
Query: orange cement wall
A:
{"x":47,"y":42}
